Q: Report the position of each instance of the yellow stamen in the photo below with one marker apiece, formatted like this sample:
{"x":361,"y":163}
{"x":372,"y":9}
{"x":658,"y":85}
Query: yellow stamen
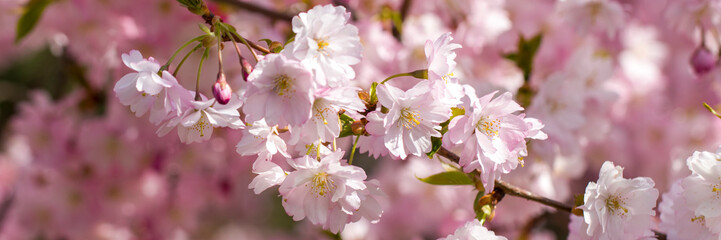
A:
{"x":614,"y":203}
{"x":489,"y":126}
{"x":409,"y":118}
{"x":283,"y":85}
{"x":322,"y":183}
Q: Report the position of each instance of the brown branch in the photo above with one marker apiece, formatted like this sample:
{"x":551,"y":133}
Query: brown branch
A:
{"x":508,"y":188}
{"x":518,"y":192}
{"x":251,"y":7}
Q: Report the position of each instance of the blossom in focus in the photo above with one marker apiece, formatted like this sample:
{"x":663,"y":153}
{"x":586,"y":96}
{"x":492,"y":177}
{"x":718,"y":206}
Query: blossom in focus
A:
{"x":494,"y":137}
{"x":162,"y":105}
{"x":328,"y":193}
{"x":145,"y":79}
{"x":702,"y":190}
{"x":197,"y":122}
{"x":279,"y":90}
{"x":619,"y":208}
{"x":473,"y":230}
{"x":409,"y":124}
{"x":324,"y":123}
{"x":326,"y":43}
{"x":269,"y":174}
{"x":680,"y":222}
{"x":263,"y":140}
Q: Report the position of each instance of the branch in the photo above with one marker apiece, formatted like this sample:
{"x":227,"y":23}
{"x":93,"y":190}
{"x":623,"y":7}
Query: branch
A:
{"x":208,"y":17}
{"x":508,"y":188}
{"x":251,"y":7}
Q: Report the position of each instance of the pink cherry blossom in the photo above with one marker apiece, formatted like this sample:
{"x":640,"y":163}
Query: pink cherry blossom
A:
{"x":494,"y":137}
{"x":328,"y":193}
{"x":618,"y":208}
{"x":279,"y":90}
{"x":326,"y":43}
{"x":410,"y":122}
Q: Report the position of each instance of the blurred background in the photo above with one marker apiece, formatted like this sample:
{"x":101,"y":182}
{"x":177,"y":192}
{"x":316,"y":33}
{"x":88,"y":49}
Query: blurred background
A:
{"x":612,"y":80}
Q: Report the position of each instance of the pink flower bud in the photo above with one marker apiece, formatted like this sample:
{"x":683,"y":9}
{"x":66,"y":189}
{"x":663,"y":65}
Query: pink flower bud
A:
{"x":221,"y":90}
{"x":702,"y":60}
{"x":247,"y":68}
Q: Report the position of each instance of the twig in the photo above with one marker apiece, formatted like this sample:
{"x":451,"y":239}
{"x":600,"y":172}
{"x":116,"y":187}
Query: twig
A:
{"x":250,"y":7}
{"x":510,"y":189}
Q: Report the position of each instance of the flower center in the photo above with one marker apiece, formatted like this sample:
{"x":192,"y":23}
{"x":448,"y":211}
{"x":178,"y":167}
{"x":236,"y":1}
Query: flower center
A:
{"x":319,"y":112}
{"x":615,"y":205}
{"x":322,"y":46}
{"x":283,"y":85}
{"x":200,"y":125}
{"x":489,"y":126}
{"x":716,"y":188}
{"x":409,"y":118}
{"x":322,"y":183}
{"x":699,"y":219}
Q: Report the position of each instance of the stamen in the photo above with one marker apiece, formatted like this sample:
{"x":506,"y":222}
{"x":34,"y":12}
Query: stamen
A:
{"x":283,"y":85}
{"x":322,"y":183}
{"x":409,"y":118}
{"x":614,"y":203}
{"x":489,"y":126}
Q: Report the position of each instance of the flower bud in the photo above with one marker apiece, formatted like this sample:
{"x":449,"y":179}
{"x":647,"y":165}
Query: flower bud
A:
{"x":221,"y":90}
{"x":702,"y":60}
{"x":247,"y":68}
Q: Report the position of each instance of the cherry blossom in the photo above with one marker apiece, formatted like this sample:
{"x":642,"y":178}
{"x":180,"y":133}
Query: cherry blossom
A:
{"x":328,"y":193}
{"x":281,"y":92}
{"x":494,"y":137}
{"x":473,"y":230}
{"x":409,"y":124}
{"x":701,"y":189}
{"x":618,"y":208}
{"x":326,"y":43}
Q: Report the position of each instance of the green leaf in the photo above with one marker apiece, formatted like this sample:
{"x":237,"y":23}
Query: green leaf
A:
{"x":523,"y":57}
{"x":267,"y":41}
{"x":477,"y":206}
{"x":33,"y":11}
{"x":372,"y":92}
{"x":448,"y":178}
{"x":346,"y":129}
{"x":436,"y":143}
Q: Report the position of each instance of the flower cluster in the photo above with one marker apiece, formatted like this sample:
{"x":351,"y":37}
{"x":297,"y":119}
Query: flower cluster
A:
{"x":509,"y":98}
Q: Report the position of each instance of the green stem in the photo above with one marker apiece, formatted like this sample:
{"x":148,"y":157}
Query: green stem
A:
{"x":197,"y":79}
{"x":167,"y":64}
{"x":175,"y":73}
{"x":352,"y":151}
{"x":242,"y":39}
{"x":395,"y":76}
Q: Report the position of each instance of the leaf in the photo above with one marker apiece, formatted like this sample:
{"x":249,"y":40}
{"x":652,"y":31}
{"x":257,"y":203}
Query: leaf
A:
{"x":448,"y":178}
{"x":346,"y":129}
{"x":523,"y":57}
{"x":436,"y":143}
{"x":372,"y":92}
{"x":477,"y":205}
{"x":267,"y":41}
{"x":33,"y":11}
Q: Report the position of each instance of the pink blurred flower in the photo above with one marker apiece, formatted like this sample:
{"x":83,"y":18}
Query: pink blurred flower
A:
{"x":473,"y":230}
